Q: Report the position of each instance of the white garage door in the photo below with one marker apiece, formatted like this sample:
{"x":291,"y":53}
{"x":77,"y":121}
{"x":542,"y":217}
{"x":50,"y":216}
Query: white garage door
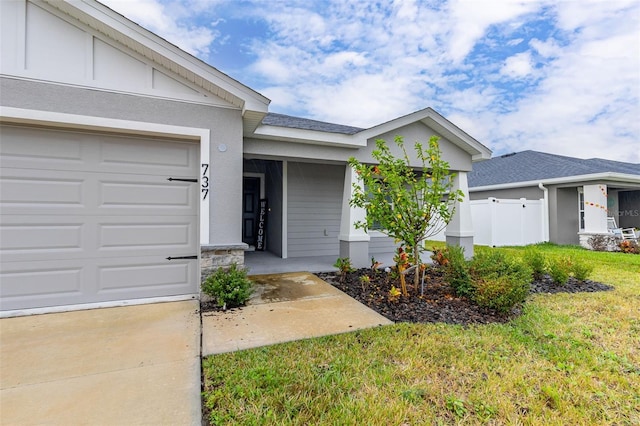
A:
{"x":88,"y":217}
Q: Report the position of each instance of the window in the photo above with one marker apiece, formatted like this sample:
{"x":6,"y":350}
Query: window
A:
{"x":581,"y":208}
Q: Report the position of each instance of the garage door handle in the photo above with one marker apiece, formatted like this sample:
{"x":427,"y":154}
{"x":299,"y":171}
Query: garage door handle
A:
{"x":181,"y":180}
{"x":182,"y":257}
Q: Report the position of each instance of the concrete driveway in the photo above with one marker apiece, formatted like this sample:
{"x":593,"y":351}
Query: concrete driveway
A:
{"x":128,"y":365}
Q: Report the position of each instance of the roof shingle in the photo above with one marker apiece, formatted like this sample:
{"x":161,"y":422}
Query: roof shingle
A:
{"x":281,"y":120}
{"x":529,"y":165}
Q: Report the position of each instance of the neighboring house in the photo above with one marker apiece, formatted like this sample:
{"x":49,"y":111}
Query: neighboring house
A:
{"x":129,"y":167}
{"x":577,"y":195}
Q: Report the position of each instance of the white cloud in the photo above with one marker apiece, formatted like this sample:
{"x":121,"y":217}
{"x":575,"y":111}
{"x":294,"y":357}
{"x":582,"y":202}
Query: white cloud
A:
{"x":161,"y":19}
{"x":469,"y":20}
{"x":517,"y":66}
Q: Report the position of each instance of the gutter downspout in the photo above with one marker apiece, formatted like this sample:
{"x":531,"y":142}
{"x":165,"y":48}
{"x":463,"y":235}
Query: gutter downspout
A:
{"x":545,"y":219}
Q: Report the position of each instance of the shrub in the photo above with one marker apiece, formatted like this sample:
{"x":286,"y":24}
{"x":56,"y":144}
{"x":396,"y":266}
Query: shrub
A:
{"x":230,"y":288}
{"x":439,"y":256}
{"x":501,"y":281}
{"x":536,"y":261}
{"x":628,"y":246}
{"x":456,"y":271}
{"x":501,"y":292}
{"x":492,"y":262}
{"x":581,"y":270}
{"x":344,"y":266}
{"x":365,"y":280}
{"x":559,"y":270}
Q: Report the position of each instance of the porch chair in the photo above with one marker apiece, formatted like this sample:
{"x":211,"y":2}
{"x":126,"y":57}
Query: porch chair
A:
{"x":623,"y":233}
{"x":612,"y":227}
{"x":630,"y":234}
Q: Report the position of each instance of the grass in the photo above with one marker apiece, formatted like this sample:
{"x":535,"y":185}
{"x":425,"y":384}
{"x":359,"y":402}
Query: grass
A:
{"x":568,"y":359}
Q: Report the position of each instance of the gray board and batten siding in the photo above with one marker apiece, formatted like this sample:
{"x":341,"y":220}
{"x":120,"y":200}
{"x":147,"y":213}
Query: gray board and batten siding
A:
{"x":314,"y":209}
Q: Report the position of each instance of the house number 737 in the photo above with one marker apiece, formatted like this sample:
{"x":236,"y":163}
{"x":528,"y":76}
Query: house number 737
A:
{"x":205,"y":181}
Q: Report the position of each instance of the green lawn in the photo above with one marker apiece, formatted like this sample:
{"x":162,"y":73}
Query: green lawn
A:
{"x":571,"y":359}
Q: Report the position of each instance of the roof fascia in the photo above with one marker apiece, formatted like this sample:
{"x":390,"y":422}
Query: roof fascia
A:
{"x":616,"y":177}
{"x":91,"y":13}
{"x":441,"y":125}
{"x":314,"y":137}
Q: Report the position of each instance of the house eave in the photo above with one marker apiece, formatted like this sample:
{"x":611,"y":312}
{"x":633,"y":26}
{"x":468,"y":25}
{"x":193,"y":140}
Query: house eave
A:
{"x":609,"y":176}
{"x":312,"y":137}
{"x":432,"y":119}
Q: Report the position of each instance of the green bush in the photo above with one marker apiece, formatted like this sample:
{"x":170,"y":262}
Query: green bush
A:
{"x":501,"y":281}
{"x":456,"y":271}
{"x":536,"y":261}
{"x":581,"y":270}
{"x":345,"y":266}
{"x":230,"y":288}
{"x":492,"y":262}
{"x":501,"y":292}
{"x":559,"y":270}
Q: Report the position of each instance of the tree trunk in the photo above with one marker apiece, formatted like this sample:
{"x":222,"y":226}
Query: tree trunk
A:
{"x":416,"y":259}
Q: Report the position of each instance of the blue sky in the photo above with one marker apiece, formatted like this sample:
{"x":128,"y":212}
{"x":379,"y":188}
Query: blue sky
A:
{"x":554,"y":76}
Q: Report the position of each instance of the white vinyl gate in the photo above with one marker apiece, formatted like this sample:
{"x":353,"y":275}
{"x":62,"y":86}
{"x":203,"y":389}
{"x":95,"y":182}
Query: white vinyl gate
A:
{"x":504,"y":222}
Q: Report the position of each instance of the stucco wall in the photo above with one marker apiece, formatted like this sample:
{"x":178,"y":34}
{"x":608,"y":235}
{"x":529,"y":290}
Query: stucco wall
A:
{"x":418,"y":132}
{"x":225,"y":125}
{"x":563,"y":212}
{"x":530,"y":193}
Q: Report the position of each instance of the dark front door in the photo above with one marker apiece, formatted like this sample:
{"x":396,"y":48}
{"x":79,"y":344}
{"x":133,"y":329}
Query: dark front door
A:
{"x":250,"y":198}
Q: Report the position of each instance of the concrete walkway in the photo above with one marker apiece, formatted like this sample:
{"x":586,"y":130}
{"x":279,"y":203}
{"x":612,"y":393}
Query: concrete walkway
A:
{"x":129,"y":365}
{"x":285,"y":307}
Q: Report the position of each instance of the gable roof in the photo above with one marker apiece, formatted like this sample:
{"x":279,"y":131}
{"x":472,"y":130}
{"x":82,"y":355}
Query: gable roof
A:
{"x":158,"y":50}
{"x":535,"y":166}
{"x":295,"y":129}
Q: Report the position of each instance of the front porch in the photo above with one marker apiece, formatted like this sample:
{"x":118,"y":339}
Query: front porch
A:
{"x":264,"y":262}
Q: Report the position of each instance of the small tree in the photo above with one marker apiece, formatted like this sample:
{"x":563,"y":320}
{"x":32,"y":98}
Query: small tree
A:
{"x":408,"y":204}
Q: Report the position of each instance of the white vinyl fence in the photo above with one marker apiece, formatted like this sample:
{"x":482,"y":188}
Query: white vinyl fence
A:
{"x":503,"y":222}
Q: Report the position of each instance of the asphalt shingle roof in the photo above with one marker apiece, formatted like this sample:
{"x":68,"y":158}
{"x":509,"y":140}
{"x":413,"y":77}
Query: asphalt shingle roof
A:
{"x":533,"y":165}
{"x":282,"y":120}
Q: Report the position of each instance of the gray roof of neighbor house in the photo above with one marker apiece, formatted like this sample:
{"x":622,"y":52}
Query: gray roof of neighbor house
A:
{"x":527,"y":166}
{"x":281,"y":120}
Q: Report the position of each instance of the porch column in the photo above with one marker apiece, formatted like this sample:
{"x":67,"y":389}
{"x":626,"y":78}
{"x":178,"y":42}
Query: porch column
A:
{"x":595,"y":209}
{"x":354,"y":243}
{"x":460,"y":230}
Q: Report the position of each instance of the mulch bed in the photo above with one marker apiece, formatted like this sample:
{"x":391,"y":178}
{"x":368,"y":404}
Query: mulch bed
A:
{"x":438,"y":303}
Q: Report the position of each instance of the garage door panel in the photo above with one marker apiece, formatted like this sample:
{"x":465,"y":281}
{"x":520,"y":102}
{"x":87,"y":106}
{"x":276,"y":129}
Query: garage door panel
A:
{"x":36,"y":148}
{"x":157,"y":158}
{"x":21,"y":191}
{"x":36,"y":284}
{"x":38,"y":237}
{"x":125,"y":194}
{"x":56,"y":192}
{"x":145,"y":237}
{"x":147,"y":279}
{"x":28,"y":238}
{"x":50,"y":149}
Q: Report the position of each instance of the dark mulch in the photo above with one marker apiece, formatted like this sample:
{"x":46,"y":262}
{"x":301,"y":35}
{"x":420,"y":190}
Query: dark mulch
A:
{"x":438,"y":303}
